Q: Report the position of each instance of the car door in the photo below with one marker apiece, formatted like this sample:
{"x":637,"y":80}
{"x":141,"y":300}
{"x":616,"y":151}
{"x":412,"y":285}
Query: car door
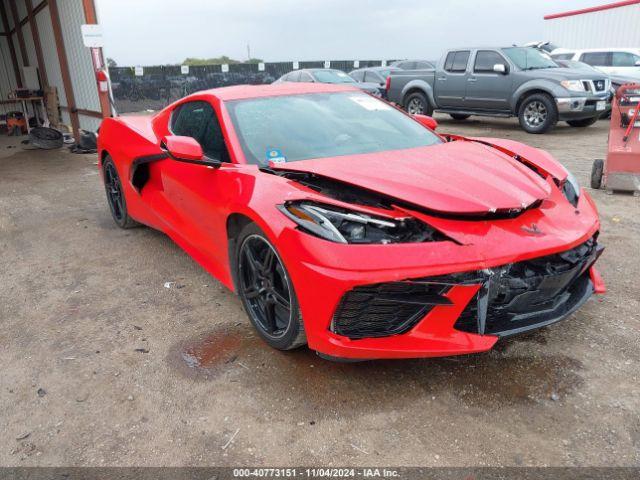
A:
{"x":451,"y":80}
{"x":486,"y":89}
{"x":625,"y":63}
{"x":195,"y":194}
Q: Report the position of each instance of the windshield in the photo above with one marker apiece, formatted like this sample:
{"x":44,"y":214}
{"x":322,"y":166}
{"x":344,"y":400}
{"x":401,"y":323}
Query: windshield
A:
{"x":300,"y":127}
{"x":332,"y":76}
{"x":527,"y":58}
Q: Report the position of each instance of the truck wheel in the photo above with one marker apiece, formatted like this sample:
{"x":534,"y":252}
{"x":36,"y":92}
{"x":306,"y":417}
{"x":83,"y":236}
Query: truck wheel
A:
{"x":585,"y":122}
{"x":596,"y":174}
{"x":459,"y":116}
{"x":538,"y":113}
{"x":417,"y":103}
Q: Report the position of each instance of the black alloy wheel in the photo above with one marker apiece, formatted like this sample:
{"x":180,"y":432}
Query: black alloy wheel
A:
{"x":115,"y":195}
{"x":266,"y":291}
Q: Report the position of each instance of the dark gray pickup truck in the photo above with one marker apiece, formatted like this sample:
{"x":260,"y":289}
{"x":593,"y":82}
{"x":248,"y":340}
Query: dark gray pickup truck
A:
{"x":511,"y":81}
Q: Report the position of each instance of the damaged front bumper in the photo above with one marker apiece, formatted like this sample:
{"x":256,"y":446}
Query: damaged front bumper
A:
{"x":403,"y":301}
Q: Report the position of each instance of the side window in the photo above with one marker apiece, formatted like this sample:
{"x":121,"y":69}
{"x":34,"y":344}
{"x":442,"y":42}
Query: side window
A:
{"x":198,"y":120}
{"x":305,"y":77}
{"x":624,"y":59}
{"x":357,"y":76}
{"x":372,"y":77}
{"x":486,"y":59}
{"x":292,"y":76}
{"x":596,"y":59}
{"x":457,"y":61}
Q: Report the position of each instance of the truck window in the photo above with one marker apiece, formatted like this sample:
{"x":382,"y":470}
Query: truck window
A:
{"x":624,"y":59}
{"x":486,"y":59}
{"x":457,"y":61}
{"x":597,"y":59}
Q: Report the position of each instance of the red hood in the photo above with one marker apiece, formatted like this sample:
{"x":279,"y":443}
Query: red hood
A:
{"x":455,"y":177}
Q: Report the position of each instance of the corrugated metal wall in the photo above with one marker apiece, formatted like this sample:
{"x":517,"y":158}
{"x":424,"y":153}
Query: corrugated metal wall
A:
{"x":78,"y":57}
{"x":616,"y":27}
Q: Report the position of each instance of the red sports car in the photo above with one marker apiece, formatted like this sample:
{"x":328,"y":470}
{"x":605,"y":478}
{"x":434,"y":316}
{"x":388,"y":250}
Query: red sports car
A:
{"x":344,"y":223}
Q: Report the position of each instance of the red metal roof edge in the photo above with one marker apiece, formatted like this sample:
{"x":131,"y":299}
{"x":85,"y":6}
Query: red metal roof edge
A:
{"x":592,"y":9}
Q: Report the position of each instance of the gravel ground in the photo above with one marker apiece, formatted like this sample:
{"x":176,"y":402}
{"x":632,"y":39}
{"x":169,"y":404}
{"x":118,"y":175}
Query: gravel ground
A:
{"x":103,"y":365}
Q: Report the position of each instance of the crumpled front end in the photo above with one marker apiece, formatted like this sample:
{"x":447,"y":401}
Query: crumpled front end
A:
{"x":494,"y":278}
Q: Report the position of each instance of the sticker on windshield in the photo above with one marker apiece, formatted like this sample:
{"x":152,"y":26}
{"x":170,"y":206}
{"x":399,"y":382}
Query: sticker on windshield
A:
{"x":369,"y":103}
{"x":341,"y":74}
{"x":274,"y":155}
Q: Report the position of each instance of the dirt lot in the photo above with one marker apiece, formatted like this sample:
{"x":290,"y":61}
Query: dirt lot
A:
{"x":98,"y":356}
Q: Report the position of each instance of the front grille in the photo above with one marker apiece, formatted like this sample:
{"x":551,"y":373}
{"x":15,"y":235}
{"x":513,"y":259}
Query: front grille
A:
{"x":512,"y":298}
{"x":386,"y":309}
{"x":524,"y":295}
{"x":599,"y":85}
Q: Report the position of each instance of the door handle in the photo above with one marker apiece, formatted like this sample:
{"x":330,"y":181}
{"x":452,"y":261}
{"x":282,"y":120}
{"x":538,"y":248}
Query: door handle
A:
{"x":442,"y":78}
{"x":471,"y":79}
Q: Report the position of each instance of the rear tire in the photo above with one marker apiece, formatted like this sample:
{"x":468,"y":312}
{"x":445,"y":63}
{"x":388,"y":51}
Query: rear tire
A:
{"x":538,"y":113}
{"x":266,"y":290}
{"x":596,"y":174}
{"x":459,"y":116}
{"x":585,"y":122}
{"x":417,"y":103}
{"x":115,"y":195}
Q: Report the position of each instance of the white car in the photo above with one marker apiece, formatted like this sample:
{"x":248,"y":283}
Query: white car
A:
{"x":614,"y":61}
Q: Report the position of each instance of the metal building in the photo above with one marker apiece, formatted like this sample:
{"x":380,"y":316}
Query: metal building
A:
{"x":46,"y":34}
{"x":614,"y":25}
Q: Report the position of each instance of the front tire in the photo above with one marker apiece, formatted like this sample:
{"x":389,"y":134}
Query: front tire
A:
{"x":538,"y":113}
{"x":585,"y":122}
{"x":115,"y":195}
{"x":417,"y":103}
{"x":266,"y":291}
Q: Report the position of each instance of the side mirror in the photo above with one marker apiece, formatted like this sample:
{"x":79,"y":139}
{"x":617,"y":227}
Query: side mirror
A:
{"x":637,"y":64}
{"x":500,"y":68}
{"x":426,"y":121}
{"x":187,"y":150}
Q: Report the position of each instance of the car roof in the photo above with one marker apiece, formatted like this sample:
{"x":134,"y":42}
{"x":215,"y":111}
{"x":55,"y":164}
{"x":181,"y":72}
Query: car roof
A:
{"x":240,"y":92}
{"x":589,"y":50}
{"x":376,"y":69}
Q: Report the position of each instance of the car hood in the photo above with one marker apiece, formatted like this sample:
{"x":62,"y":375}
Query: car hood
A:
{"x":460,"y":178}
{"x":565,"y":74}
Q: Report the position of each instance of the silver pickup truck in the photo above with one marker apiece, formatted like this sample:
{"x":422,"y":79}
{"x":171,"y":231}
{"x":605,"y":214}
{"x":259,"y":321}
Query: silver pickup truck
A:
{"x":511,"y":81}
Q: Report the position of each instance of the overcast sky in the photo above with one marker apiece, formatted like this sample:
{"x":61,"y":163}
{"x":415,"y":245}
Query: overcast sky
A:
{"x":151,"y":32}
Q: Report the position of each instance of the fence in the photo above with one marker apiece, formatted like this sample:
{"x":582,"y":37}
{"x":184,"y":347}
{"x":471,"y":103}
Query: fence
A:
{"x":158,"y":86}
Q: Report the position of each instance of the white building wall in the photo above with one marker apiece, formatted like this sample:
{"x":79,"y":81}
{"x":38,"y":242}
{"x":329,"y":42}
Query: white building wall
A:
{"x":7,"y":76}
{"x":50,"y":54}
{"x":83,"y":77}
{"x":615,"y":27}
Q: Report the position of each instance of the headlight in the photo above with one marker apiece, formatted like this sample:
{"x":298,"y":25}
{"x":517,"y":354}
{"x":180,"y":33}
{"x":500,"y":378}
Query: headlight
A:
{"x":344,"y":226}
{"x":571,"y":189}
{"x":573,"y":85}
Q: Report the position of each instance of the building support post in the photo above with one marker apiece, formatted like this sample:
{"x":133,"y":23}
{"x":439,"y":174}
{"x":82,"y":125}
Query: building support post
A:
{"x":18,"y":29}
{"x":98,"y":60}
{"x":12,"y":50}
{"x":35,"y":33}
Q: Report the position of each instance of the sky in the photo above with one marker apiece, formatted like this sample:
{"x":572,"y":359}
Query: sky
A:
{"x":154,"y":32}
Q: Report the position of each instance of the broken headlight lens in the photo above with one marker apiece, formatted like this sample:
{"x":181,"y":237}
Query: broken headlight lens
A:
{"x":571,"y":189}
{"x":346,"y":226}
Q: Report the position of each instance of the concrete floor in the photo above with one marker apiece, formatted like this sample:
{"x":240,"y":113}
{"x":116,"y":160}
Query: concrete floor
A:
{"x":97,"y":354}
